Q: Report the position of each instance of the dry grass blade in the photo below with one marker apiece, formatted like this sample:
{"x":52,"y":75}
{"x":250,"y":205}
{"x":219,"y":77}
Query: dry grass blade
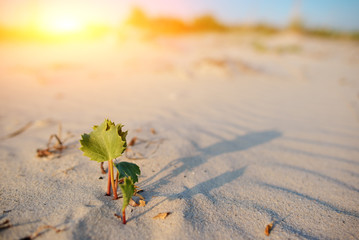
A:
{"x":17,"y":132}
{"x":55,"y":148}
{"x":161,"y":215}
{"x":5,"y":224}
{"x":40,"y":230}
{"x":58,"y":145}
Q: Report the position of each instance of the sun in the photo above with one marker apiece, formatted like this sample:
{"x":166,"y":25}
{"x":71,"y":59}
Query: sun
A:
{"x":62,"y":25}
{"x":66,"y":25}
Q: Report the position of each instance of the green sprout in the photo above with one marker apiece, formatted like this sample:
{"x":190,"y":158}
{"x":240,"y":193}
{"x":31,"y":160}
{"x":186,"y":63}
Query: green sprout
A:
{"x":105,"y":143}
{"x":128,"y":189}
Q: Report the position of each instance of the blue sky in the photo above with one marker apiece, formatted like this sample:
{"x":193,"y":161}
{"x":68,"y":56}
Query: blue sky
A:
{"x":335,"y":14}
{"x":319,"y":13}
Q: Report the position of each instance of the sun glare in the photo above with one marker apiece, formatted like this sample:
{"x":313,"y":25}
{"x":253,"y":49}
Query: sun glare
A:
{"x":62,"y":25}
{"x":66,"y":25}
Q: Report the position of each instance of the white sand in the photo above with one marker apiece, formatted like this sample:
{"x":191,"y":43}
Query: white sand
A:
{"x":249,"y":137}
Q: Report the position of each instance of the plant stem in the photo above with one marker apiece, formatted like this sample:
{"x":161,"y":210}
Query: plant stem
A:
{"x":124,"y":216}
{"x":116,"y":181}
{"x":108,"y":193}
{"x":112,"y":180}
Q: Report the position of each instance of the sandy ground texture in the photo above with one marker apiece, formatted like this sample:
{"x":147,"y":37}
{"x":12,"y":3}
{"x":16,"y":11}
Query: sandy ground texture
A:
{"x":236,"y":132}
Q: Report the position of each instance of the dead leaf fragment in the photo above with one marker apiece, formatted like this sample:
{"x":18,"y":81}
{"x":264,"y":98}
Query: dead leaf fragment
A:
{"x":118,"y":216}
{"x":161,"y":215}
{"x":103,"y":171}
{"x":268,"y":229}
{"x":142,"y":203}
{"x":139,"y":195}
{"x":43,"y":152}
{"x":138,"y":189}
{"x":133,"y":141}
{"x":133,"y":203}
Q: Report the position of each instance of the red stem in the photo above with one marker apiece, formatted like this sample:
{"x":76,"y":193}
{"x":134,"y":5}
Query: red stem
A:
{"x":109,"y":181}
{"x":112,"y":180}
{"x":124,"y":216}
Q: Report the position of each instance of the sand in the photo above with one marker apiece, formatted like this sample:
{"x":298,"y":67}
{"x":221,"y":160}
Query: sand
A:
{"x":249,"y":130}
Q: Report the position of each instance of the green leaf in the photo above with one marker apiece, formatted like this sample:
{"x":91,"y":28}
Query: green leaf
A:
{"x":126,"y":169}
{"x":128,"y":189}
{"x":106,"y":142}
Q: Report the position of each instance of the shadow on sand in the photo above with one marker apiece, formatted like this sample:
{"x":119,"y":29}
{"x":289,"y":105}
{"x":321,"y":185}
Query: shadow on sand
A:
{"x":185,"y":164}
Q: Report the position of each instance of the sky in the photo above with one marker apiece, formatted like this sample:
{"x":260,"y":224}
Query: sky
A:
{"x":335,"y":14}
